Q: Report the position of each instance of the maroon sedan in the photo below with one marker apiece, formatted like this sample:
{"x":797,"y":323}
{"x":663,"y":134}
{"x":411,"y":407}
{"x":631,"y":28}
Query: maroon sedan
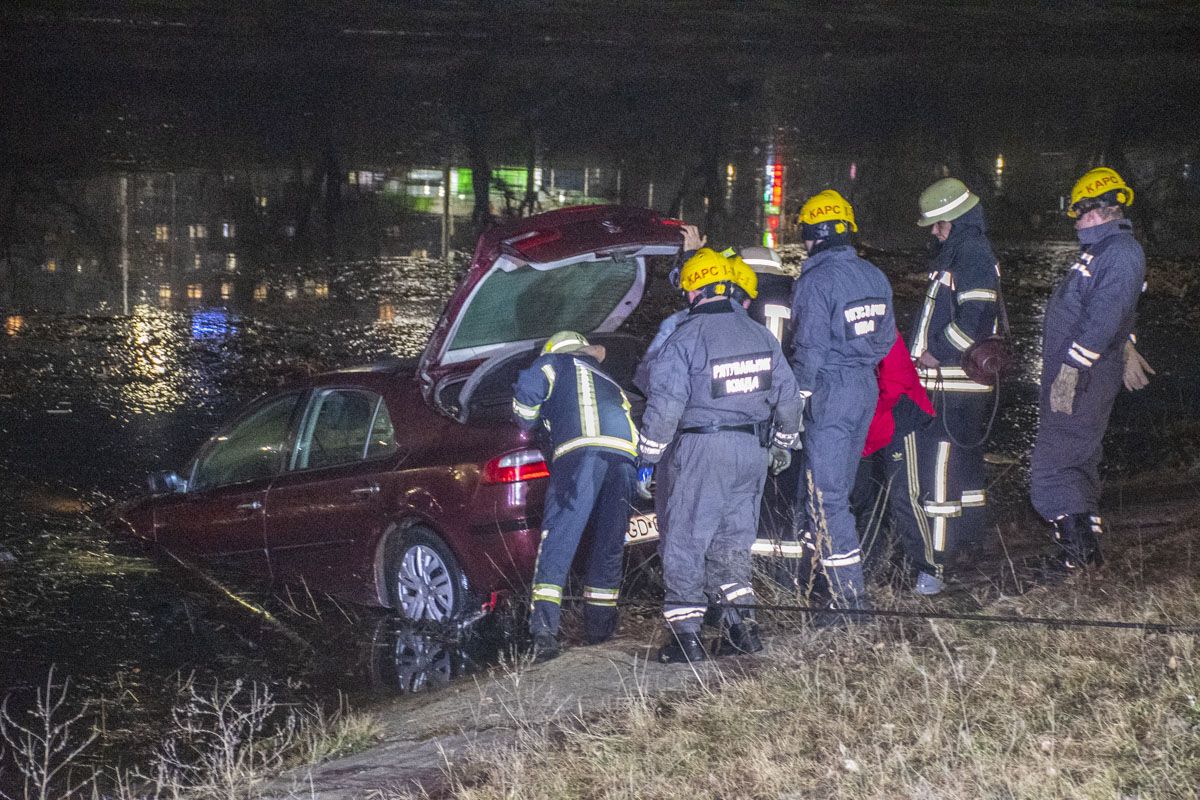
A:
{"x":406,"y":485}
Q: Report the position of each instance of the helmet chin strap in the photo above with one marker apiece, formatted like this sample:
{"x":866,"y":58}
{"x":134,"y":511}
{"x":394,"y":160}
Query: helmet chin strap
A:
{"x":836,"y":240}
{"x":710,"y":291}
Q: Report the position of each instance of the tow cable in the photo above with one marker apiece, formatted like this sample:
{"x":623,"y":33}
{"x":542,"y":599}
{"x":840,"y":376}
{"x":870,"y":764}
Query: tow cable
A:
{"x":994,"y":619}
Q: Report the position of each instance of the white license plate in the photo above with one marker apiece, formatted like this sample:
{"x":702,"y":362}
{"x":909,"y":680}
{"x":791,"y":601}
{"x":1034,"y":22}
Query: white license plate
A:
{"x":642,"y":528}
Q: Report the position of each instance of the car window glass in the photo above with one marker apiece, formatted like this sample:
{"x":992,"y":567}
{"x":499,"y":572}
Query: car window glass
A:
{"x":527,"y":303}
{"x":335,"y":429}
{"x":248,"y":451}
{"x":382,"y":441}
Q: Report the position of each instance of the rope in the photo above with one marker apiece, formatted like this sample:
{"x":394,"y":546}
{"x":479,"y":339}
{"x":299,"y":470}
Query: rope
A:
{"x":996,"y":619}
{"x":940,"y":393}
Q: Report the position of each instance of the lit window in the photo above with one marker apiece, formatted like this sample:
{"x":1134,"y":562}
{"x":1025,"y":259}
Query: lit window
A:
{"x":160,"y":260}
{"x":13,"y":324}
{"x":162,"y":233}
{"x":197,"y":231}
{"x":230,"y":261}
{"x":386,"y":312}
{"x":321,"y":290}
{"x":51,"y":265}
{"x":194,"y":291}
{"x":289,"y":230}
{"x":352,"y":178}
{"x":164,"y":291}
{"x":79,"y":266}
{"x":261,"y":200}
{"x":393,"y":231}
{"x":197,"y":261}
{"x":290,"y":291}
{"x":260,"y":292}
{"x":226,"y":291}
{"x":228,"y":230}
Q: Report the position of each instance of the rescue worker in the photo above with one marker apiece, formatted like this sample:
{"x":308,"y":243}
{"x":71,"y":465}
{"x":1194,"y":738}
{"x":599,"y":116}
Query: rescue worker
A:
{"x":592,"y":474}
{"x":844,"y":325}
{"x":1089,"y":321}
{"x":715,"y":387}
{"x":772,"y":303}
{"x":938,"y":497}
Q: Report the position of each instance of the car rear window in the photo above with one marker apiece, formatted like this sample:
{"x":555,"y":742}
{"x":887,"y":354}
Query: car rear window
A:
{"x":527,"y":304}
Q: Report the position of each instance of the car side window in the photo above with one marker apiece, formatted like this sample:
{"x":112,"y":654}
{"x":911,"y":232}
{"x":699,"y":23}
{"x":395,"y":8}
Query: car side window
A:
{"x":342,"y":426}
{"x":252,"y":449}
{"x":383,"y":434}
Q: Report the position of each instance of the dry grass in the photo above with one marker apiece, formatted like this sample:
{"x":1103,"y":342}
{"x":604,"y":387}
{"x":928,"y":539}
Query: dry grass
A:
{"x":915,"y":710}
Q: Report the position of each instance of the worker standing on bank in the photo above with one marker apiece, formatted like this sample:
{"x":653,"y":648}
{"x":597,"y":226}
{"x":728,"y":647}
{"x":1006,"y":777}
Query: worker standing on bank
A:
{"x":1085,"y":348}
{"x":592,"y":477}
{"x":843,"y":326}
{"x":938,"y":499}
{"x":715,"y":387}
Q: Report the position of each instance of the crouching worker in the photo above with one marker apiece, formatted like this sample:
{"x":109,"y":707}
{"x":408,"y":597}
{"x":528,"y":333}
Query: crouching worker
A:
{"x":715,"y":386}
{"x":592,"y":477}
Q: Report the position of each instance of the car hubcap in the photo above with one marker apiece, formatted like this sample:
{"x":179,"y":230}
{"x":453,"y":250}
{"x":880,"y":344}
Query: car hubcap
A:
{"x":426,"y":589}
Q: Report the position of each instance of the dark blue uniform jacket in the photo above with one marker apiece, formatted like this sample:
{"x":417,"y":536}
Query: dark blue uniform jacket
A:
{"x":842,"y":316}
{"x":960,"y":303}
{"x":577,"y":403}
{"x":1093,"y":311}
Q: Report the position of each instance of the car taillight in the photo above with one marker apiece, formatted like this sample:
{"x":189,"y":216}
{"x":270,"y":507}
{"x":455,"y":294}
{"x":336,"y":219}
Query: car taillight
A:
{"x":523,"y":465}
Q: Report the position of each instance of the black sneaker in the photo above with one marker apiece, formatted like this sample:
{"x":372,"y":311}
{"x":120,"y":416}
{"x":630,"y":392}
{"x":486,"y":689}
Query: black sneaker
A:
{"x":683,"y":648}
{"x":738,"y":640}
{"x":545,"y":646}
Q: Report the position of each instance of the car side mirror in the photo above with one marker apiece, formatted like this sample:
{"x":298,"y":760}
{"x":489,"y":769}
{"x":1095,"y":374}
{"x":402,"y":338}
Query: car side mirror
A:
{"x":166,"y":483}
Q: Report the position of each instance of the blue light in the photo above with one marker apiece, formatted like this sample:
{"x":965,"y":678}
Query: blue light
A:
{"x":212,"y":324}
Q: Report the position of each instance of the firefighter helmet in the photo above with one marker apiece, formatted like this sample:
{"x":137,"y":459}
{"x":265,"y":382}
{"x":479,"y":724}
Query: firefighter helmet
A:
{"x":945,"y":201}
{"x":744,"y":278}
{"x":565,"y":342}
{"x":1098,"y":188}
{"x":826,"y":214}
{"x":707,"y":268}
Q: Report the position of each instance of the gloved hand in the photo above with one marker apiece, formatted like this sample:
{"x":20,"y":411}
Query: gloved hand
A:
{"x":781,"y":459}
{"x":1062,"y":391}
{"x":1137,"y":371}
{"x":644,"y":476}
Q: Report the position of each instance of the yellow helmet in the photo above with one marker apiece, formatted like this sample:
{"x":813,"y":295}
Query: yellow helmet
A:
{"x":828,"y":206}
{"x":1097,"y":188}
{"x":706,"y":268}
{"x":744,"y":276}
{"x":565,"y":342}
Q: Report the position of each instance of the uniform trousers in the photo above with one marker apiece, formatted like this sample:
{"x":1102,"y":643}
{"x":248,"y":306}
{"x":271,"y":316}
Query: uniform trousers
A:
{"x":938,"y":500}
{"x":835,"y":429}
{"x":712,"y":513}
{"x":1065,"y":468}
{"x":586,"y":485}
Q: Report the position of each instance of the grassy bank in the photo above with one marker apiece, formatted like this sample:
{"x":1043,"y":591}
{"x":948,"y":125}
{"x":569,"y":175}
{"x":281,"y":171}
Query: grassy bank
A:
{"x":919,"y":710}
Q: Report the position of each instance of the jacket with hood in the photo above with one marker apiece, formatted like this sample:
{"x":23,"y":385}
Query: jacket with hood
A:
{"x":960,"y":305}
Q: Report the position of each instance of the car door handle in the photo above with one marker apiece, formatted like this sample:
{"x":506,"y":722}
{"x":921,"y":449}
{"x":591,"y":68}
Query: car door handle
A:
{"x":366,"y":490}
{"x":253,"y":505}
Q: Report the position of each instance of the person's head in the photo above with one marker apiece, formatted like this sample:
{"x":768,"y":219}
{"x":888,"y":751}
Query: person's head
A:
{"x":745,"y":281}
{"x":572,"y":342}
{"x":826,"y":220}
{"x":1100,"y":196}
{"x":942,"y":203}
{"x":763,"y":260}
{"x":705,"y":276}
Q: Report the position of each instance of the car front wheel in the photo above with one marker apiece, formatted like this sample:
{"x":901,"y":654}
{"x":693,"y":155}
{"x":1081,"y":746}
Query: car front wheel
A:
{"x":424,"y":580}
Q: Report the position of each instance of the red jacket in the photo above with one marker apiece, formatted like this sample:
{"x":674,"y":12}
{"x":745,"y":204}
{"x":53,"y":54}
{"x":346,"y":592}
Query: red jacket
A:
{"x":897,"y":378}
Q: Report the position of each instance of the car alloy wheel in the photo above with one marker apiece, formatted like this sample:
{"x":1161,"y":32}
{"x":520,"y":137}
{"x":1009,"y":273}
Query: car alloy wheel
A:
{"x":424,"y":581}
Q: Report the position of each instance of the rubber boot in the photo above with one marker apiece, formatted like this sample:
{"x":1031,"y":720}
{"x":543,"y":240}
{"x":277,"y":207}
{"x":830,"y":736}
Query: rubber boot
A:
{"x":738,"y":639}
{"x":1090,"y":528}
{"x":683,"y":648}
{"x":599,"y":623}
{"x":1069,"y":532}
{"x":545,"y":646}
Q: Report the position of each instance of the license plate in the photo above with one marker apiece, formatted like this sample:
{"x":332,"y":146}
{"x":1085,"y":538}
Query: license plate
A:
{"x":642,"y":528}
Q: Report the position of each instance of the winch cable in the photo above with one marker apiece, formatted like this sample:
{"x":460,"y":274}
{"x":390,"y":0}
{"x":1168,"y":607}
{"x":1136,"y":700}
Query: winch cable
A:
{"x":994,"y":619}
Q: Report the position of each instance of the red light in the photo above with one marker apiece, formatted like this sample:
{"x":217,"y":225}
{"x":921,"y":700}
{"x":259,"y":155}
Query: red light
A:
{"x":773,"y":223}
{"x":523,"y":465}
{"x":672,"y":223}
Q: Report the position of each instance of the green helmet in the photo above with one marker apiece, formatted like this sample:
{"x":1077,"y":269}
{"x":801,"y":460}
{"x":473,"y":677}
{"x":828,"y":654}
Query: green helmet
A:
{"x":946,"y":200}
{"x":565,"y":342}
